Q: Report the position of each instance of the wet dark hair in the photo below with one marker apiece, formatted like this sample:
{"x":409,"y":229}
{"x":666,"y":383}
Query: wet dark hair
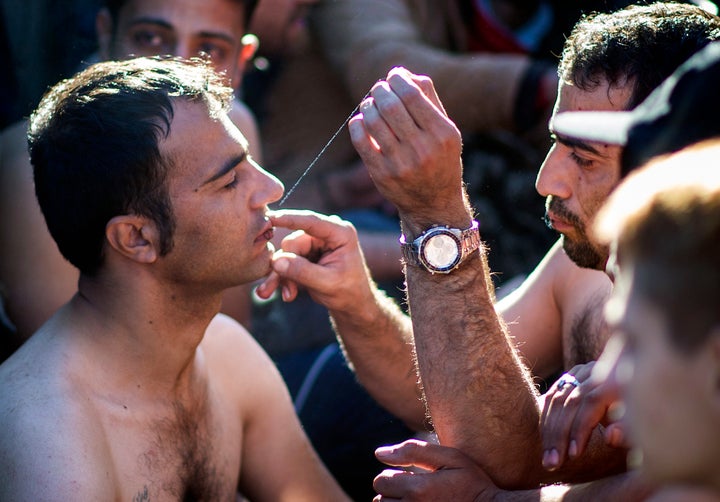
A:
{"x":94,"y":146}
{"x":114,"y":7}
{"x":641,"y":44}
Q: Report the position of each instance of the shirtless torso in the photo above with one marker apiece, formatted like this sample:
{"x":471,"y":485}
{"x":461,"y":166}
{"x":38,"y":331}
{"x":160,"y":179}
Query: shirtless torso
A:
{"x":574,"y":308}
{"x":119,"y":439}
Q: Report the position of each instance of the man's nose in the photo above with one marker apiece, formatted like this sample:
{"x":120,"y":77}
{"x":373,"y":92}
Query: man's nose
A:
{"x":552,"y":179}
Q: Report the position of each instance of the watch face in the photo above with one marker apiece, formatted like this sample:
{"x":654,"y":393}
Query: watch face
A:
{"x":440,"y":251}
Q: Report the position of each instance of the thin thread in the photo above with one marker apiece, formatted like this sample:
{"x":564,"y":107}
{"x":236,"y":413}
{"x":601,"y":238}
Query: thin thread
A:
{"x":327,"y":145}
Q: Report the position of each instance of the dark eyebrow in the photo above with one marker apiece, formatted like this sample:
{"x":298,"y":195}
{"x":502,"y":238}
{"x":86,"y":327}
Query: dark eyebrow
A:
{"x":164,"y":24}
{"x":226,"y":168}
{"x":221,"y":36}
{"x":576,"y":143}
{"x":151,"y":20}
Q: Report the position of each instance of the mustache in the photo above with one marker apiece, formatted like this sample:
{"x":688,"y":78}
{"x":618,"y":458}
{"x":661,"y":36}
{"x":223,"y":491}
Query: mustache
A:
{"x":557,"y":207}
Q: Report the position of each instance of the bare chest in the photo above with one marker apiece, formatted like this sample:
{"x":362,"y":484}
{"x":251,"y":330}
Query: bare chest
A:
{"x":177,"y":455}
{"x":584,"y":331}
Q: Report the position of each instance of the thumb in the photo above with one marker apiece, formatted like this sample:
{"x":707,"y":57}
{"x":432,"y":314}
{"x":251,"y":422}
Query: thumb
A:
{"x":414,"y":452}
{"x":615,"y":436}
{"x":299,"y":270}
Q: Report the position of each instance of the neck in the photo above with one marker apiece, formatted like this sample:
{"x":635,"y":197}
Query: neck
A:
{"x":142,"y":332}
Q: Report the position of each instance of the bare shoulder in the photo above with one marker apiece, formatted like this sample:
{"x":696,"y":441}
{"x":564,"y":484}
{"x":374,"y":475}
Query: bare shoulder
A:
{"x":556,"y":300}
{"x":273,"y":439}
{"x":571,"y":286}
{"x":52,"y":446}
{"x":539,"y":283}
{"x":224,"y":336}
{"x":238,"y":361}
{"x":534,"y":318}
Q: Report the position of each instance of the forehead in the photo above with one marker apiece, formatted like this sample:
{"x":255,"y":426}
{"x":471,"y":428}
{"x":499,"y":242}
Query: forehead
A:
{"x":225,"y":17}
{"x":601,"y":98}
{"x":199,"y":145}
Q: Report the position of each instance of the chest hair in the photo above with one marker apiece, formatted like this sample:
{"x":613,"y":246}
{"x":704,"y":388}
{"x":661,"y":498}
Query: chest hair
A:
{"x":181,"y":462}
{"x":588,"y":333}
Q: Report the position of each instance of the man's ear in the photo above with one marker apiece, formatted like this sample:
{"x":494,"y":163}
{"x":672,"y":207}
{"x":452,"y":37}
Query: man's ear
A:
{"x":134,"y":237}
{"x":248,"y":48}
{"x":104,"y":29}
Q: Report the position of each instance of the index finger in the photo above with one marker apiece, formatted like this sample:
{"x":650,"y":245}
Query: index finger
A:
{"x":332,"y":230}
{"x":403,"y":82}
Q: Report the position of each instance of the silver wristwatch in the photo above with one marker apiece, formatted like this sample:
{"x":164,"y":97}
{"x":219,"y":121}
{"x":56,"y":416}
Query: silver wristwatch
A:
{"x":441,"y":249}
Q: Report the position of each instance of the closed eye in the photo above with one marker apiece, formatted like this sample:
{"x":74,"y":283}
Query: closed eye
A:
{"x":233,"y":183}
{"x":580,"y":161}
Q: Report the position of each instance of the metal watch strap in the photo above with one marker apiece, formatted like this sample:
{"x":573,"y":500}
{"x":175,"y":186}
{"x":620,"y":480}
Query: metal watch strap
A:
{"x":469,"y":242}
{"x":409,"y":252}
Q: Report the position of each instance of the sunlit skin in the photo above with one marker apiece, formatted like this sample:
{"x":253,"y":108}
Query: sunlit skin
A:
{"x":214,"y":179}
{"x":577,"y":176}
{"x":663,"y":389}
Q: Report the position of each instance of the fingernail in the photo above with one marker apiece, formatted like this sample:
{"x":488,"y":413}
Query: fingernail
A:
{"x":573,"y":449}
{"x":281,"y":265}
{"x":550,"y":459}
{"x":286,"y":293}
{"x":616,"y":436}
{"x":554,"y":457}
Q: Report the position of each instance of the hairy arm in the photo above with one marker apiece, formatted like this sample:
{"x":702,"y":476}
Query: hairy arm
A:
{"x":364,"y":40}
{"x":628,"y":486}
{"x":443,"y":473}
{"x":324,"y":256}
{"x":478,"y":392}
{"x":378,"y":344}
{"x":480,"y":396}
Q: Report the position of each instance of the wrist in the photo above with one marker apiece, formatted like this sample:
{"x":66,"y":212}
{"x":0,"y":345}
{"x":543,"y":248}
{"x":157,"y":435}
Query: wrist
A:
{"x":441,"y":249}
{"x":412,"y":225}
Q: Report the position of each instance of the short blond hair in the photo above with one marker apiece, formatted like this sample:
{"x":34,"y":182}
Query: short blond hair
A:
{"x":665,"y":218}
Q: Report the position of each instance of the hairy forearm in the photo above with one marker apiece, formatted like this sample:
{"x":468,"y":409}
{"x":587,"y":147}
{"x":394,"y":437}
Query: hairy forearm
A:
{"x":365,"y":39}
{"x":479,"y":394}
{"x":377,"y":341}
{"x":628,"y":486}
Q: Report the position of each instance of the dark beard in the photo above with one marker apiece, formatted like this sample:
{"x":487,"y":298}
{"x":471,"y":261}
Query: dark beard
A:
{"x":580,"y":251}
{"x":583,"y":254}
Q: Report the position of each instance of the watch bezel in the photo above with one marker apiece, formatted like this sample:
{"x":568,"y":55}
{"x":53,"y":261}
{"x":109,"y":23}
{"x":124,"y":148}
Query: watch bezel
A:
{"x":433,"y":233}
